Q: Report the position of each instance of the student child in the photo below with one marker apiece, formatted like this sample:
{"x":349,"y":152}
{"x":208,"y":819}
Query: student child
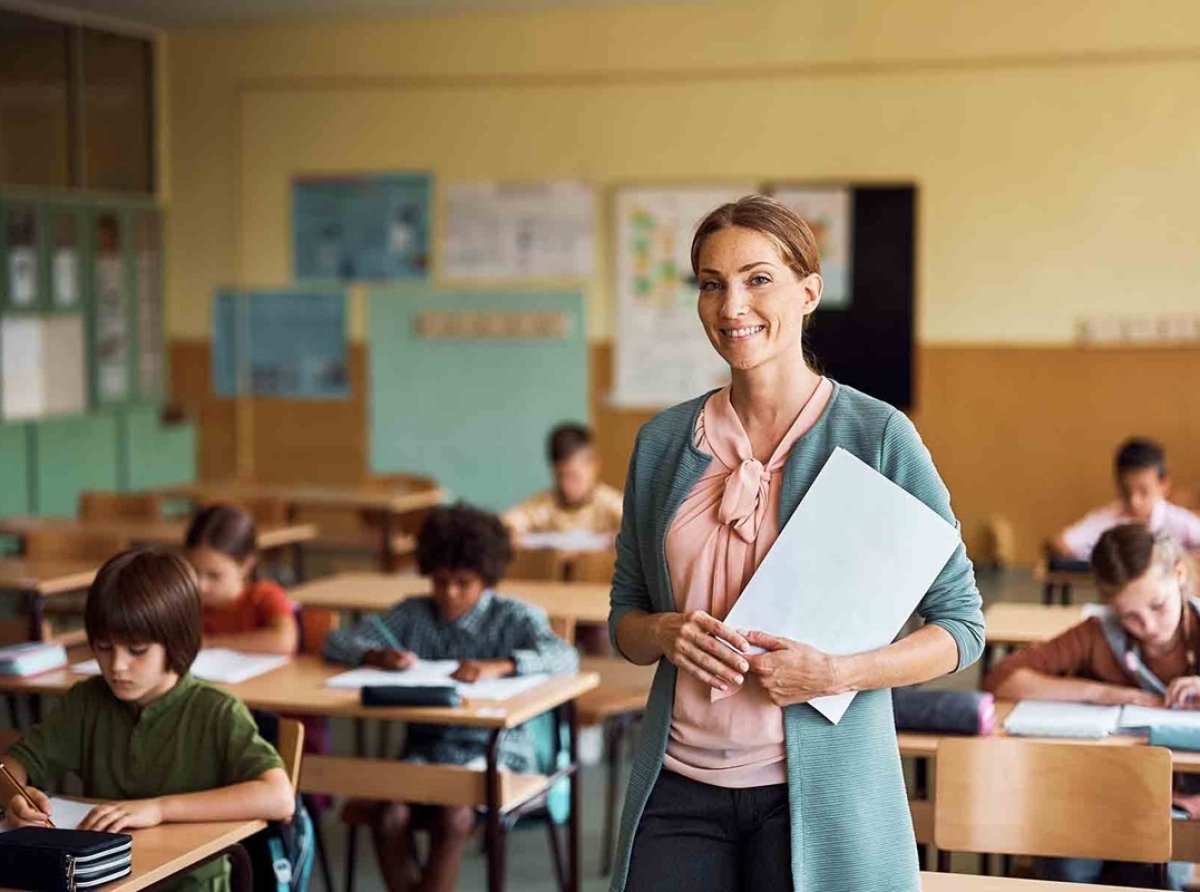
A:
{"x":1142,"y":489}
{"x":239,"y":612}
{"x":579,"y":502}
{"x":464,"y":551}
{"x":158,"y":745}
{"x":1142,"y":650}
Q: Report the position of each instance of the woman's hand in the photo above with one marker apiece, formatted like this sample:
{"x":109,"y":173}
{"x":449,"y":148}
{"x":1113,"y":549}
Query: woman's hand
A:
{"x":1183,"y":693}
{"x":689,"y":640}
{"x":115,"y":817}
{"x":21,"y":814}
{"x":478,"y":670}
{"x":389,"y":658}
{"x":791,"y":672}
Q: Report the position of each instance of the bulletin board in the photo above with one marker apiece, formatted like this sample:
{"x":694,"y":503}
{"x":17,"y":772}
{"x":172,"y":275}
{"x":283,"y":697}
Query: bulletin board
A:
{"x":464,"y":385}
{"x":863,"y":335}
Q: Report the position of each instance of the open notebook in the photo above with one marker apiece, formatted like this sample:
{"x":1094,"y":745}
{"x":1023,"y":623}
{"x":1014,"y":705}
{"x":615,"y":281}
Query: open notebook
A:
{"x":1045,"y":718}
{"x":436,"y":672}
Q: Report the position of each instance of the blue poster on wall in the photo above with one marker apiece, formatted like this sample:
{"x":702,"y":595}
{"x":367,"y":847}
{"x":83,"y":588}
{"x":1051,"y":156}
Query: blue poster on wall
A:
{"x":361,"y":228}
{"x":289,"y":344}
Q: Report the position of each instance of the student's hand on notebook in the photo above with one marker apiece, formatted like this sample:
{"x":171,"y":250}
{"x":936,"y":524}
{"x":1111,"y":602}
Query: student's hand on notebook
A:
{"x":1190,"y":803}
{"x":1184,"y":693}
{"x":791,"y":672}
{"x":690,"y":641}
{"x":115,"y":817}
{"x":479,"y":670}
{"x":390,"y":658}
{"x":20,"y":813}
{"x":1120,"y":695}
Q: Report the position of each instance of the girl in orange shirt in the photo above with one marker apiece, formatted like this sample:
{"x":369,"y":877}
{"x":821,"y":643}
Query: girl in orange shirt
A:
{"x":240,"y":612}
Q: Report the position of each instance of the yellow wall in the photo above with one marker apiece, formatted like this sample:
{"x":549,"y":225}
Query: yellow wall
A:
{"x":1054,"y":142}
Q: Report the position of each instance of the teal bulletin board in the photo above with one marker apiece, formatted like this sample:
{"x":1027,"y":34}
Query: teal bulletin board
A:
{"x":472,"y":411}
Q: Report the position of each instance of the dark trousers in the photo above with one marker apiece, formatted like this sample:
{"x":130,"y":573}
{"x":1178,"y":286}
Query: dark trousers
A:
{"x":694,"y":837}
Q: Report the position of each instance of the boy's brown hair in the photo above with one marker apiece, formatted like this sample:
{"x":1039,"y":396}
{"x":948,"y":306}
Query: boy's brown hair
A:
{"x":1125,"y":552}
{"x":145,"y":596}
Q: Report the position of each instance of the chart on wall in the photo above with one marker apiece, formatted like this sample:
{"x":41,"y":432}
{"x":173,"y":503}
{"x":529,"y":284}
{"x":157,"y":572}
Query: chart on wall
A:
{"x":288,"y":344}
{"x":828,"y":211}
{"x":514,"y":231}
{"x":366,"y":228}
{"x":662,"y":353}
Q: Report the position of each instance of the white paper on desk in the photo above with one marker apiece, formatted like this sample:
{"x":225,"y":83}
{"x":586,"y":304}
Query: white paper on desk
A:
{"x":215,"y":664}
{"x":569,"y":540}
{"x":66,"y":814}
{"x":1054,"y":718}
{"x":848,"y":568}
{"x":1134,"y":716}
{"x":436,"y":672}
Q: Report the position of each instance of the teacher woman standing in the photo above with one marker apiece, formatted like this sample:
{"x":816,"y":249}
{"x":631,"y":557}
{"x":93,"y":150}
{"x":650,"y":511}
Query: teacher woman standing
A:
{"x":737,"y":783}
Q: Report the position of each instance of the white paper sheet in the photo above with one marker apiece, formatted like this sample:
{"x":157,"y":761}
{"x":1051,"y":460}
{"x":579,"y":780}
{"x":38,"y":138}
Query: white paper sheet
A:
{"x":65,"y":814}
{"x":436,"y":672}
{"x":1148,"y":717}
{"x":848,"y":568}
{"x":575,"y":540}
{"x":216,"y":664}
{"x":1045,"y":718}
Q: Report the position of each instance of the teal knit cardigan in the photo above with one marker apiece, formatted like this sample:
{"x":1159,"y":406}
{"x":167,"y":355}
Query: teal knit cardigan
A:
{"x":850,"y":823}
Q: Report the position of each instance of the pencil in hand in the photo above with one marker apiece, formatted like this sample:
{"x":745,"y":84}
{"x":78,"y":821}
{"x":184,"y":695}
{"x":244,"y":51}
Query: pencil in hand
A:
{"x":19,"y":787}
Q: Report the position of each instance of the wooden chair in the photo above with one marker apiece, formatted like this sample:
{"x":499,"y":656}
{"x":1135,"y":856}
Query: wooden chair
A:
{"x":536,"y":563}
{"x":69,"y":546}
{"x":1057,"y":800}
{"x":100,"y":506}
{"x":291,"y":748}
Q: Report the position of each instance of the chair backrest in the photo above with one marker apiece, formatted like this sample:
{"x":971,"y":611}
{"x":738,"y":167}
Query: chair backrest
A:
{"x":314,"y":626}
{"x":290,"y":747}
{"x":592,"y":566}
{"x":536,"y":563}
{"x":1067,"y":800}
{"x":61,"y":545}
{"x":563,"y":627}
{"x":97,"y":505}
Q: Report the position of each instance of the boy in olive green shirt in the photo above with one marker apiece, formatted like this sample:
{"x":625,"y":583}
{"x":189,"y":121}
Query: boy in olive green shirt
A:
{"x":157,"y":743}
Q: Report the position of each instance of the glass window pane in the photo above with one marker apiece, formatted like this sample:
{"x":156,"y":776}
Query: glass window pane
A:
{"x":21,"y":250}
{"x":65,"y":258}
{"x":112,"y":320}
{"x":117,"y":112}
{"x":34,"y":110}
{"x":149,"y":305}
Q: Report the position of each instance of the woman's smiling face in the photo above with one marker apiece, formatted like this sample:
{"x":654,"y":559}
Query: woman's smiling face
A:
{"x":752,"y":304}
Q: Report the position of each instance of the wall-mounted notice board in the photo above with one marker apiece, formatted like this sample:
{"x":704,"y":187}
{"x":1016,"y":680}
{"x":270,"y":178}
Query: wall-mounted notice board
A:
{"x":473,"y":411}
{"x":285,"y":343}
{"x":361,"y":227}
{"x":862,"y":336}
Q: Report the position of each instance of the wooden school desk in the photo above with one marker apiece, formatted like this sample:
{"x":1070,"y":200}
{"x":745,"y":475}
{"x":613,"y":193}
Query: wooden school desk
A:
{"x":38,"y":579}
{"x":298,"y":687}
{"x":148,"y":532}
{"x":166,"y":851}
{"x":923,"y":748}
{"x":965,"y":882}
{"x":392,"y":502}
{"x":1008,"y":625}
{"x":379,"y":592}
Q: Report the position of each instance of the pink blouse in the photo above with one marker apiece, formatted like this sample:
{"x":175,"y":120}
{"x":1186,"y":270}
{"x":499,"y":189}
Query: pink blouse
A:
{"x":723,"y":530}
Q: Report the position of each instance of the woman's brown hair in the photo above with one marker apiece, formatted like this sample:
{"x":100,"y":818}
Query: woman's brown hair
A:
{"x":144,"y":596}
{"x":1124,"y":554}
{"x":792,"y":236}
{"x":224,"y":528}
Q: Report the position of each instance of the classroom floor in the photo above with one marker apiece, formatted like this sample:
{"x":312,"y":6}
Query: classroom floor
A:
{"x":529,"y":865}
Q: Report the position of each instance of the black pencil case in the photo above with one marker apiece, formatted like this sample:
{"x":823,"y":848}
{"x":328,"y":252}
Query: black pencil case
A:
{"x":48,"y":859}
{"x":419,"y":695}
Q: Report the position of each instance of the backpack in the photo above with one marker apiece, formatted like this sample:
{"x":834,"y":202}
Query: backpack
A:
{"x":282,"y":854}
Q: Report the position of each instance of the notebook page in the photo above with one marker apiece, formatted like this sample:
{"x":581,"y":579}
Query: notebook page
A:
{"x":1149,"y":717}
